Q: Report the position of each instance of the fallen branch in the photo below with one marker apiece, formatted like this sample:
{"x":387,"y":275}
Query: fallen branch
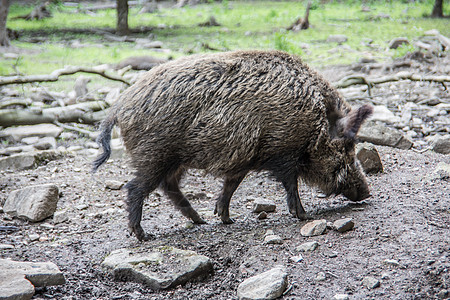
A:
{"x":89,"y":134}
{"x":5,"y":102}
{"x":87,"y":112}
{"x":39,"y":12}
{"x":54,"y":76}
{"x":360,"y":79}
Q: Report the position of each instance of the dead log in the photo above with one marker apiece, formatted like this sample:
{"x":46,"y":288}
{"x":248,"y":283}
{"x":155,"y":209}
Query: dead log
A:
{"x":54,"y":76}
{"x":370,"y":82}
{"x":38,"y":13}
{"x":301,"y":23}
{"x":86,"y":112}
{"x":10,"y":101}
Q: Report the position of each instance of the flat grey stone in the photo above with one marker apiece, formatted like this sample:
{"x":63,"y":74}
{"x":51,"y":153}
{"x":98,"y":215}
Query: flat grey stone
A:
{"x":370,"y":282}
{"x":267,"y":285}
{"x":18,"y":279}
{"x":260,"y":205}
{"x":308,"y":247}
{"x":34,"y":203}
{"x":383,"y":114}
{"x":23,"y":161}
{"x":40,"y":130}
{"x":163,"y":268}
{"x":441,"y":172}
{"x":337,"y":38}
{"x":442,"y":144}
{"x":273,"y":239}
{"x":15,"y":286}
{"x":46,"y":143}
{"x":316,"y":227}
{"x":382,"y":135}
{"x":60,"y":217}
{"x":369,"y":158}
{"x":113,"y":184}
{"x":344,"y":225}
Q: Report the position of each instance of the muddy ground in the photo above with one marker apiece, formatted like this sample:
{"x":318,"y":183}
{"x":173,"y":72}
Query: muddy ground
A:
{"x":406,"y":219}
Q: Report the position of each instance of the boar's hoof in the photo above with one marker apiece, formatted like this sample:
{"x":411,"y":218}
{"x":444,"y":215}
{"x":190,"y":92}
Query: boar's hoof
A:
{"x":302,"y":216}
{"x":226,"y":220}
{"x":195,"y":217}
{"x":140,"y":233}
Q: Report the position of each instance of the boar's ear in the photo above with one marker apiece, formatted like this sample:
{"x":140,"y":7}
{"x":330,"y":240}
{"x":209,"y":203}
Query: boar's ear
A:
{"x":354,"y":120}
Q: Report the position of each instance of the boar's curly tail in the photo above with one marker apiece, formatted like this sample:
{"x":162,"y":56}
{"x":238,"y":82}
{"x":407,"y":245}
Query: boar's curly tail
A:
{"x":103,"y":141}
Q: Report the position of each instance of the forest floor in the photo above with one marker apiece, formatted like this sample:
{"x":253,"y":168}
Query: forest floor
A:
{"x":401,"y":235}
{"x":406,"y":220}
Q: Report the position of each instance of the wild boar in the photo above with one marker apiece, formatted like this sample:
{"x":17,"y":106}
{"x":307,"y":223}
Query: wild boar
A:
{"x":231,"y":113}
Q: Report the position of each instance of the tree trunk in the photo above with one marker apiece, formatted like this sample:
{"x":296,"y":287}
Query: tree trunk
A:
{"x":122,"y":17}
{"x":4,"y":7}
{"x":438,"y":9}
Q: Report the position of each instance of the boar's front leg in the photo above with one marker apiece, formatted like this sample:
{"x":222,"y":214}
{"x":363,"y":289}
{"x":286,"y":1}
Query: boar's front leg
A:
{"x":172,"y":190}
{"x":223,"y":203}
{"x":293,"y":199}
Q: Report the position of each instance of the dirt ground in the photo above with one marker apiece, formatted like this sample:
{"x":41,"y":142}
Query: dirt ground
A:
{"x":406,"y":219}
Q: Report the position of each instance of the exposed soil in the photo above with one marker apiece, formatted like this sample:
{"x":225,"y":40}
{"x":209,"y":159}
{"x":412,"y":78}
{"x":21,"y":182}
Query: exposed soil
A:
{"x":406,"y":219}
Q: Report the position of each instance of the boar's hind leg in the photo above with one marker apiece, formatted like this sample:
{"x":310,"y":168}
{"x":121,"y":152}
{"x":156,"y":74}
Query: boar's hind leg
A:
{"x":138,"y":190}
{"x":172,"y":190}
{"x":293,"y":200}
{"x":223,"y":203}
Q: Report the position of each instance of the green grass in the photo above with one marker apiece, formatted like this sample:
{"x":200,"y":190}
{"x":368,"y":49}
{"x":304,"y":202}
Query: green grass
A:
{"x":245,"y":25}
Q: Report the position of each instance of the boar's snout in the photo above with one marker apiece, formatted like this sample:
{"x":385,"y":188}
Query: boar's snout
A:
{"x":357,"y":194}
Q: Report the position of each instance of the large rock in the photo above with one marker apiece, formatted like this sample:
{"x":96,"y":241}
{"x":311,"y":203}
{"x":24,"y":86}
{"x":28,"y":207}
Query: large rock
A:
{"x":382,"y":135}
{"x":267,"y":285}
{"x":34,"y":203}
{"x":442,"y":144}
{"x":163,"y":268}
{"x":18,"y":279}
{"x":383,"y":114}
{"x":369,"y":158}
{"x":23,"y":161}
{"x":40,"y":130}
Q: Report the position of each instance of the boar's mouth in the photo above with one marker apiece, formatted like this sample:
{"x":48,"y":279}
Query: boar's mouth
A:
{"x":356,"y":195}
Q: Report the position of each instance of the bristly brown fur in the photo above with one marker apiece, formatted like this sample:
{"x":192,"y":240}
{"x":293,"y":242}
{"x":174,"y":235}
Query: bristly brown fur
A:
{"x":230,"y":113}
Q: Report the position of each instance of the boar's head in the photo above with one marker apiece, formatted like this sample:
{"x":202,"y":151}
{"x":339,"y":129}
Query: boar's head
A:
{"x":336,"y":169}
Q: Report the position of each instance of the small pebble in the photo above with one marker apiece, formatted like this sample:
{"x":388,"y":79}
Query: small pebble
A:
{"x":306,"y":247}
{"x":341,"y":297}
{"x":262,"y":215}
{"x":297,"y":258}
{"x":320,"y":276}
{"x":370,"y":282}
{"x":391,"y":262}
{"x":263,"y":205}
{"x":113,"y":184}
{"x":6,"y":246}
{"x":273,"y":239}
{"x":33,"y":237}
